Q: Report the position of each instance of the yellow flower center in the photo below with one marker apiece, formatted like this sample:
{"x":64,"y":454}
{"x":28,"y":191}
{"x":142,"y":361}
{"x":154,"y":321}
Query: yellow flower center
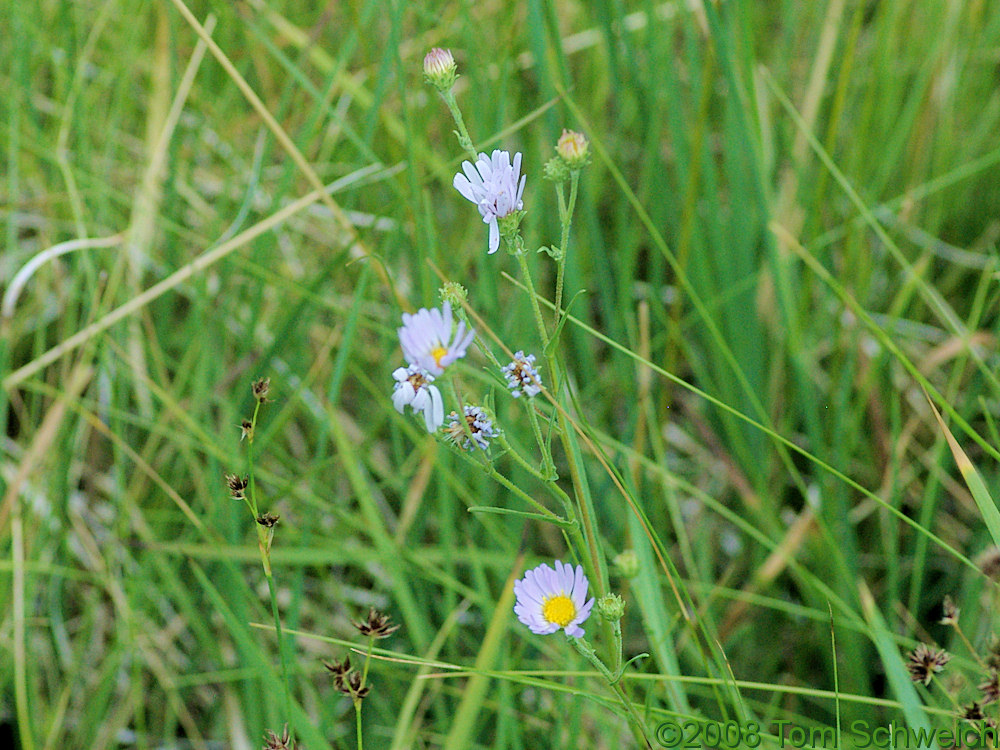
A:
{"x":559,"y":609}
{"x":438,"y":352}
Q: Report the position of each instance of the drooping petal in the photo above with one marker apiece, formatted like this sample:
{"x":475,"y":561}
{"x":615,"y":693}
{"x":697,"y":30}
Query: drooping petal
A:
{"x":421,"y":399}
{"x":494,"y":237}
{"x":402,"y":396}
{"x":434,"y":415}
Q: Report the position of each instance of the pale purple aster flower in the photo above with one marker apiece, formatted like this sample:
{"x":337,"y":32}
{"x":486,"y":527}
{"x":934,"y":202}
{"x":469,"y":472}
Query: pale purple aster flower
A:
{"x":413,"y":387}
{"x":480,"y":427}
{"x":550,"y":599}
{"x":522,"y":376}
{"x":495,"y":186}
{"x":427,"y":340}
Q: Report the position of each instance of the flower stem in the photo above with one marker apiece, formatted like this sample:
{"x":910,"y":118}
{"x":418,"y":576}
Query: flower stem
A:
{"x":264,"y":537}
{"x":518,"y":458}
{"x":364,"y":681}
{"x":593,"y":560}
{"x":587,"y":651}
{"x":539,"y":321}
{"x":548,"y":472}
{"x":253,"y":486}
{"x":463,"y":133}
{"x":565,"y":219}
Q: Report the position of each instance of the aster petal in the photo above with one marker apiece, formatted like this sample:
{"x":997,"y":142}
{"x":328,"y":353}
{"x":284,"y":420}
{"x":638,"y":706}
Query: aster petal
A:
{"x":552,"y":579}
{"x":574,"y":630}
{"x":463,"y":186}
{"x":400,"y":374}
{"x":402,"y":396}
{"x":465,"y":342}
{"x":436,"y":322}
{"x":528,"y":593}
{"x":547,"y":629}
{"x":434,"y":416}
{"x":421,"y":400}
{"x":537,"y":579}
{"x":584,"y":612}
{"x":494,"y":236}
{"x":580,"y":584}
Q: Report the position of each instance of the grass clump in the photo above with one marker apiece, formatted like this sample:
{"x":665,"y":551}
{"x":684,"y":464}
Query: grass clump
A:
{"x":754,"y":262}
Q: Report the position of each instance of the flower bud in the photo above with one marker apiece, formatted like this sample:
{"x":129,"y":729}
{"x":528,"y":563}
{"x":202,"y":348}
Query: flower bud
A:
{"x":454,"y":294}
{"x":555,"y":170}
{"x":573,"y":149}
{"x":440,"y":70}
{"x":627,"y":564}
{"x":611,"y":607}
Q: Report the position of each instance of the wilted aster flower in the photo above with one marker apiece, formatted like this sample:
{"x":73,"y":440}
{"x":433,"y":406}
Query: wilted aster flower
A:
{"x":925,"y":662}
{"x":550,"y":599}
{"x":495,"y":186}
{"x":480,"y":427}
{"x":413,"y":387}
{"x":522,"y":376}
{"x":427,"y":340}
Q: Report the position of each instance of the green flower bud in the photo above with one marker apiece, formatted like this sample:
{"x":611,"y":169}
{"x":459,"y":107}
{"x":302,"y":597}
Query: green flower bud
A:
{"x":627,"y":564}
{"x":611,"y":607}
{"x":454,"y":294}
{"x":555,"y":170}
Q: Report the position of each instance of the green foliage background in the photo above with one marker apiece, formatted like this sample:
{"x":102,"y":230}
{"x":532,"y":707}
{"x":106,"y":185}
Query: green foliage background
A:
{"x":740,"y":148}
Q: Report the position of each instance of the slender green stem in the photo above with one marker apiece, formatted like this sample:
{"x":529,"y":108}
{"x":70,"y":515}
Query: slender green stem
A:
{"x":253,"y":486}
{"x":596,"y":569}
{"x":264,"y":537}
{"x":587,"y":651}
{"x":487,"y":352}
{"x":368,"y":658}
{"x":539,"y":321}
{"x":968,"y":645}
{"x":518,"y":458}
{"x":463,"y":133}
{"x":548,"y":465}
{"x":282,"y":649}
{"x":619,"y":647}
{"x":364,"y":681}
{"x":566,"y":219}
{"x":496,"y":475}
